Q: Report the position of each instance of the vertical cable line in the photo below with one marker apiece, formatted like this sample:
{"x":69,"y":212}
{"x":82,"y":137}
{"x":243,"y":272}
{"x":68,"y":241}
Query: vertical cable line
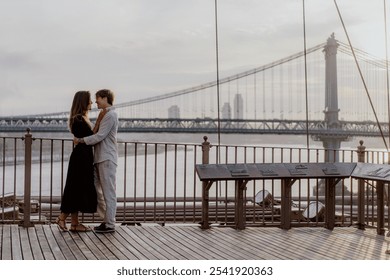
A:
{"x":306,"y":94}
{"x":387,"y":68}
{"x":388,"y":94}
{"x":361,"y":76}
{"x":217,"y":64}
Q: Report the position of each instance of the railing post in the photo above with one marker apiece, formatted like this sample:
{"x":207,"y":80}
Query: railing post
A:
{"x":205,"y":151}
{"x":380,"y":206}
{"x":205,"y":192}
{"x":27,"y":179}
{"x":361,"y":158}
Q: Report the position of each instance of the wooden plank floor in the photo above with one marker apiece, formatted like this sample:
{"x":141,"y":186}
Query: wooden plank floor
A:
{"x":182,"y":242}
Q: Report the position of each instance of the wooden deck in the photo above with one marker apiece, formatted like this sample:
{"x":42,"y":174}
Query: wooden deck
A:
{"x":183,"y":242}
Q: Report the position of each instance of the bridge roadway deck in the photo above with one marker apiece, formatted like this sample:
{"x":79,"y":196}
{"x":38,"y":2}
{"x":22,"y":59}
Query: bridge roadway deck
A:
{"x":189,"y":242}
{"x":206,"y":125}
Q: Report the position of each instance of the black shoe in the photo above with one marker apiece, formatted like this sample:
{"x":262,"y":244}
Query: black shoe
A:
{"x":104,"y":229}
{"x":101,"y":226}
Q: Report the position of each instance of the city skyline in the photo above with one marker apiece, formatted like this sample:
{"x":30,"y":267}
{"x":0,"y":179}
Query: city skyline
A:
{"x":226,"y":110}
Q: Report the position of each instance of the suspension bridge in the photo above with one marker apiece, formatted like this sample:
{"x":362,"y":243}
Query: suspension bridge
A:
{"x":330,"y":103}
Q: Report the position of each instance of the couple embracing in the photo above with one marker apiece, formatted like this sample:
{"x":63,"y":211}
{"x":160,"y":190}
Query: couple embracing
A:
{"x":91,"y":180}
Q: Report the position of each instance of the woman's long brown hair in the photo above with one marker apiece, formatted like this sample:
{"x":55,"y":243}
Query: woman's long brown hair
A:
{"x":79,"y":106}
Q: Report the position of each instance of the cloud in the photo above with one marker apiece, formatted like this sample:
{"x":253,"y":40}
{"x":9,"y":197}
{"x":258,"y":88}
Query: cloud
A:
{"x":13,"y":61}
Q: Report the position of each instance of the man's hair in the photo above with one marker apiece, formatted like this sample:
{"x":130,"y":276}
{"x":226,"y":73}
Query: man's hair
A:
{"x":106,"y":93}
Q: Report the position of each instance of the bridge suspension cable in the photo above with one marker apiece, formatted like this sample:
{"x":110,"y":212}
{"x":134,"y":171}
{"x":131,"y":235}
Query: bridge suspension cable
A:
{"x":217,"y":69}
{"x":306,"y":92}
{"x":221,"y":81}
{"x":361,"y":74}
{"x":362,"y":55}
{"x":387,"y":64}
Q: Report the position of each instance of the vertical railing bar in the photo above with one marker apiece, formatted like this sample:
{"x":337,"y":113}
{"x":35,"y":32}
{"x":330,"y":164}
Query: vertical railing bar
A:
{"x":352,"y":201}
{"x":299,"y":155}
{"x":218,"y":185}
{"x":368,"y":193}
{"x":291,"y":155}
{"x":387,"y":193}
{"x":175,"y":184}
{"x":300,"y":151}
{"x":27,"y":179}
{"x":194,"y":183}
{"x":51,"y":176}
{"x":263,"y":154}
{"x":226,"y":188}
{"x":15,"y":178}
{"x":299,"y":185}
{"x":273,"y":161}
{"x":145,"y":177}
{"x":155,"y":181}
{"x":387,"y":186}
{"x":342,"y":190}
{"x":218,"y":153}
{"x":365,"y":205}
{"x":342,"y":199}
{"x":62,"y":168}
{"x":165,"y":180}
{"x":135,"y":182}
{"x":317,"y":159}
{"x":373,"y":203}
{"x":185,"y":184}
{"x":254,"y":189}
{"x":235,"y":154}
{"x":281,"y":155}
{"x":125,"y":183}
{"x":318,"y":185}
{"x":40,"y":175}
{"x":352,"y":189}
{"x":3,"y":186}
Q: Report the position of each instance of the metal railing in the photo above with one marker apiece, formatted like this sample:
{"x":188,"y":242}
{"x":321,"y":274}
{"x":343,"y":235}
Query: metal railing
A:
{"x":157,"y":183}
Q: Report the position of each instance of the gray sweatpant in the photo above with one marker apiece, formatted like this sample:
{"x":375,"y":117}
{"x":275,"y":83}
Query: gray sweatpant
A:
{"x":105,"y":184}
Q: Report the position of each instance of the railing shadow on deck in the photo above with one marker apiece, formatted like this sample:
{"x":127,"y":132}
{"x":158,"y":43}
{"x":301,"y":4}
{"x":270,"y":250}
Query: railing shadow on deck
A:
{"x":157,"y":183}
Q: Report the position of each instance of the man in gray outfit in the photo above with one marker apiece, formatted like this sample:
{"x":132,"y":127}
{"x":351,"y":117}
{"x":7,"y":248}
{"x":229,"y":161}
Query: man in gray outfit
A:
{"x":105,"y":159}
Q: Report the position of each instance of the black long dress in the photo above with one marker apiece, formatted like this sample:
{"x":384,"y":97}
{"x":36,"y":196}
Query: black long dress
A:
{"x":79,"y":192}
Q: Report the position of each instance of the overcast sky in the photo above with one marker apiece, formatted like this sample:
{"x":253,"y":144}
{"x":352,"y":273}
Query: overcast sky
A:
{"x":49,"y":49}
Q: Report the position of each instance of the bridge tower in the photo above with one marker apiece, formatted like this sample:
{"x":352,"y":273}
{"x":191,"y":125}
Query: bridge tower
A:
{"x":331,"y":142}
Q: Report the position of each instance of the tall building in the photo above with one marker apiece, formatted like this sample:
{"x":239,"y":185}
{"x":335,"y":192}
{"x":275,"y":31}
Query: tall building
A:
{"x":226,"y":111}
{"x":238,"y":107}
{"x":174,"y":112}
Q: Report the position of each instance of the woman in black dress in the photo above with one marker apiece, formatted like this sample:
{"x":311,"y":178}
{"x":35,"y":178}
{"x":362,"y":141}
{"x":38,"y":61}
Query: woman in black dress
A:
{"x":79,"y":192}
